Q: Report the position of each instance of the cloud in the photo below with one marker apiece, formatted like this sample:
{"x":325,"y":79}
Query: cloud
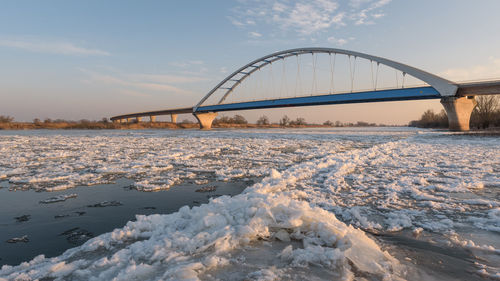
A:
{"x":307,"y":18}
{"x":51,"y":47}
{"x":185,"y":64}
{"x":367,"y":15}
{"x":166,"y":78}
{"x":488,"y":70}
{"x":254,"y":34}
{"x":338,"y":42}
{"x":137,"y":84}
{"x":133,"y":93}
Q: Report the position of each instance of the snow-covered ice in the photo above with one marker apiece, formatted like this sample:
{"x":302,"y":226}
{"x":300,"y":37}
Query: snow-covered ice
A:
{"x":324,"y":197}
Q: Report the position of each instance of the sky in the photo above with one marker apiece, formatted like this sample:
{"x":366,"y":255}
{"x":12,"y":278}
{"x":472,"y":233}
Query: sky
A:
{"x":93,"y":59}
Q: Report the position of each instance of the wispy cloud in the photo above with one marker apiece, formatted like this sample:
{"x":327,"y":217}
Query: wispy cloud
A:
{"x":51,"y":47}
{"x":254,"y":34}
{"x":185,"y":64}
{"x":337,"y":41}
{"x":142,"y":84}
{"x":306,"y":18}
{"x":169,"y":79}
{"x":369,"y":14}
{"x":487,"y":70}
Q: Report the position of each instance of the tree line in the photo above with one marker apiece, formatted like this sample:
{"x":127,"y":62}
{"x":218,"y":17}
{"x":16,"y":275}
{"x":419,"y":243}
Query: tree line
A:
{"x":486,"y":114}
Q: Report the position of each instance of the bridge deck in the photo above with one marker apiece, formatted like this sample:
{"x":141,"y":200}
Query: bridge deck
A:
{"x":153,"y":113}
{"x":418,"y":93}
{"x":476,"y":88}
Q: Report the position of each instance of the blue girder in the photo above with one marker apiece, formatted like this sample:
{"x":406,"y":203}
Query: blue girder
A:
{"x":417,"y":93}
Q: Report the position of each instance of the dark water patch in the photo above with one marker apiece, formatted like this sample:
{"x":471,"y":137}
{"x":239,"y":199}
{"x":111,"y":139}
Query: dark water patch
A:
{"x":429,"y":258}
{"x":48,"y":221}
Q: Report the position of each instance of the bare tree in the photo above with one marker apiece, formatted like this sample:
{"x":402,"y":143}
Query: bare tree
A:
{"x":328,"y":123}
{"x":485,"y":110}
{"x":285,"y":121}
{"x":238,"y":119}
{"x":263,"y":120}
{"x":6,"y":119}
{"x":298,"y":121}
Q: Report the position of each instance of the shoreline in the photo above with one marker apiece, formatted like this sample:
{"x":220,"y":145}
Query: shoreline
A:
{"x":155,"y":125}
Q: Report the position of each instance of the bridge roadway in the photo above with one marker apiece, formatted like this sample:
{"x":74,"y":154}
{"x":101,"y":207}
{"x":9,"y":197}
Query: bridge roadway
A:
{"x":152,"y":114}
{"x":416,"y":93}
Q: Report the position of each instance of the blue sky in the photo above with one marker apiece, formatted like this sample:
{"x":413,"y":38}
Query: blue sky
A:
{"x":94,"y":59}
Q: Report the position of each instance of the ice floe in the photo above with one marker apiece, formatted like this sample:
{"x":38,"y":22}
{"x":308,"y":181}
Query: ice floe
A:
{"x":322,"y":192}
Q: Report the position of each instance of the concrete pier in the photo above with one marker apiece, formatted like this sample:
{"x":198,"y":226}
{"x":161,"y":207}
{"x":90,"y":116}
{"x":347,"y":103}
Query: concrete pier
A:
{"x":129,"y":120}
{"x":173,"y":118}
{"x":205,"y":119}
{"x":152,"y":119}
{"x":459,"y":110}
{"x":138,"y":119}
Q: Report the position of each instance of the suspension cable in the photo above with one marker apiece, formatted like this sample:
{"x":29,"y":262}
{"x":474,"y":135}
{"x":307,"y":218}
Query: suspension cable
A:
{"x":297,"y":81}
{"x":371,"y":70}
{"x":283,"y":79}
{"x":272,"y":79}
{"x":314,"y":86}
{"x":352,"y":70}
{"x":254,"y":84}
{"x":397,"y":80}
{"x":376,"y":76}
{"x":332,"y":70}
{"x":403,"y":84}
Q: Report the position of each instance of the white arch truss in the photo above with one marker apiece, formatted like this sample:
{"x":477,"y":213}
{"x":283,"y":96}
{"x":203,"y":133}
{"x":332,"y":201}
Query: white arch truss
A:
{"x":445,"y":87}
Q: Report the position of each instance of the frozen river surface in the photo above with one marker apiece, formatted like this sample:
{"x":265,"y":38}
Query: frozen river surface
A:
{"x":327,"y":204}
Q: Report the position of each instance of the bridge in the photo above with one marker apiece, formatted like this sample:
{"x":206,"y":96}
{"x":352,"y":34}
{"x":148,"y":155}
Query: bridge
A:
{"x":312,"y":76}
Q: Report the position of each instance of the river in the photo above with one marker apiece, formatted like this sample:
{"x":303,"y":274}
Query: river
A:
{"x":249,"y":204}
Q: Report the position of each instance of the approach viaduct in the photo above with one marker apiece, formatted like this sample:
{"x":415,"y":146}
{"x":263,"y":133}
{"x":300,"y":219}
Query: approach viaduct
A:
{"x":458,"y":99}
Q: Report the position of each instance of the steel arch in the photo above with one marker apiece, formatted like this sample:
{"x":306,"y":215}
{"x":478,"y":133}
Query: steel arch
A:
{"x":443,"y":86}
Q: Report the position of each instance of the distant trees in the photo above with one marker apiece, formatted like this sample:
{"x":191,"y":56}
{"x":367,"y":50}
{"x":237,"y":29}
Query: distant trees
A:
{"x":328,"y":123}
{"x":6,"y":119}
{"x":430,"y":119}
{"x":284,"y":121}
{"x":485,"y":114}
{"x":186,"y":121}
{"x":263,"y":120}
{"x":236,"y":119}
{"x":357,"y":124}
{"x":298,"y":121}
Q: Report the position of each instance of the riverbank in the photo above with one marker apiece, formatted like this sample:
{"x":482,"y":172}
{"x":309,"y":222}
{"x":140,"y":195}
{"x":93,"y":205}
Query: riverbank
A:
{"x":134,"y":126}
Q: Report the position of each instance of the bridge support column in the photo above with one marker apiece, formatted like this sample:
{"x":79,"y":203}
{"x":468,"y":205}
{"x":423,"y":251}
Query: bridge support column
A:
{"x":205,"y":119}
{"x":138,"y":119}
{"x":129,"y":120}
{"x":458,"y":110}
{"x":173,"y":118}
{"x":152,"y":119}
